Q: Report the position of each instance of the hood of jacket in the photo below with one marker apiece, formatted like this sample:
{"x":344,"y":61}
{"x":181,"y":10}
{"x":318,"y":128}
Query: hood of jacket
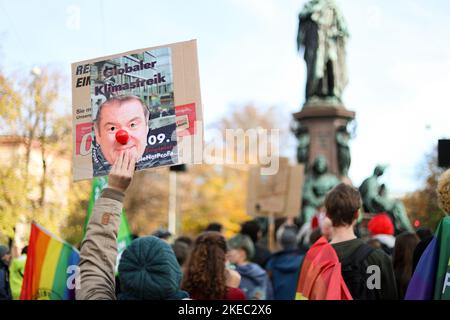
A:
{"x":252,"y":272}
{"x":386,"y":239}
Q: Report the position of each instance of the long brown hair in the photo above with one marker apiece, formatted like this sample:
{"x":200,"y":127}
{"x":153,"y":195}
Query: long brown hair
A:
{"x":402,"y":259}
{"x":204,"y":276}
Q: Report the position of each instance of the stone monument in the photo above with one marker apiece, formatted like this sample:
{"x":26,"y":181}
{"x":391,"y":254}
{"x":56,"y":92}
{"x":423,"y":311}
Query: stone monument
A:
{"x":321,"y":126}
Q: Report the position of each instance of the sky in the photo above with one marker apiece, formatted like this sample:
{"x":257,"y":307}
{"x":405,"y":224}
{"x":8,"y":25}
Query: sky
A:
{"x":398,"y":59}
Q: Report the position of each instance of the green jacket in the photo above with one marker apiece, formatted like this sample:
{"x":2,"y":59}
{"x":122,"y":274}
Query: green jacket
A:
{"x":16,"y":272}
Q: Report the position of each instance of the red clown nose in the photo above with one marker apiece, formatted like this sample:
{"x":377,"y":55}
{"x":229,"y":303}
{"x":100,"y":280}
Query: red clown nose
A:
{"x":122,"y":137}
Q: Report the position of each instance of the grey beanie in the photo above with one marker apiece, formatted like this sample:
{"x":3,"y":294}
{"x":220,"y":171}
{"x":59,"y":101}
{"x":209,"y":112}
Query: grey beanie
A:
{"x":288,"y":239}
{"x":244,"y":242}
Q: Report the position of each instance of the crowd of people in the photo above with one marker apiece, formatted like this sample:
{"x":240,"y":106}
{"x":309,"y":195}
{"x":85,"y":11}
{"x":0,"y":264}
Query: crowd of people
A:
{"x":211,"y":267}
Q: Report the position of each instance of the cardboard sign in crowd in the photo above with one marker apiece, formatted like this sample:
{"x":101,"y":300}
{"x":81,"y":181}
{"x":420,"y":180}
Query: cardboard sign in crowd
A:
{"x":145,"y":101}
{"x":278,"y":194}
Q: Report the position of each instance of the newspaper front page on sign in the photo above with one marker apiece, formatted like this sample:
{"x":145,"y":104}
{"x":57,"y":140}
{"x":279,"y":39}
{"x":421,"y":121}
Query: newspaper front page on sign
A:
{"x":146,"y":100}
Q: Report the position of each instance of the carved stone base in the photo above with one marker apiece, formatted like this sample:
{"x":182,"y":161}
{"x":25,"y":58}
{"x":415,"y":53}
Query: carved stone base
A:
{"x":322,"y":123}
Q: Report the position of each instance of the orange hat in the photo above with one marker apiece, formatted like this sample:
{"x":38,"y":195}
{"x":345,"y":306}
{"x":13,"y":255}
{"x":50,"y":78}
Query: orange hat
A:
{"x":381,"y":224}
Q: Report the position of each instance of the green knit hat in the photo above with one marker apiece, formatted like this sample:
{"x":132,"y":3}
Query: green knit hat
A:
{"x":148,"y":270}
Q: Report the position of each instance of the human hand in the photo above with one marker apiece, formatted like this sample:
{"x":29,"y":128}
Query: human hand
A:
{"x":122,"y":171}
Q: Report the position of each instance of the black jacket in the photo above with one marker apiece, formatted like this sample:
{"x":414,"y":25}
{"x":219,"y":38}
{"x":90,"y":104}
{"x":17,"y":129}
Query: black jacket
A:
{"x":261,"y":256}
{"x":5,"y":289}
{"x":420,"y":248}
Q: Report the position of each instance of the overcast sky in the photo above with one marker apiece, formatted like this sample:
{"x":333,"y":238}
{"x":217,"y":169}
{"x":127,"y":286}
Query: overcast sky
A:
{"x":398,"y":60}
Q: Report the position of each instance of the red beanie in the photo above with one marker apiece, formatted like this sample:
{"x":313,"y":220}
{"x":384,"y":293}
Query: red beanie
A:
{"x":314,"y":222}
{"x":381,"y":224}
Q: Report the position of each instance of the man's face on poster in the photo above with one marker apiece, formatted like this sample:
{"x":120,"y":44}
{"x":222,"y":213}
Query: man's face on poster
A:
{"x":118,"y":115}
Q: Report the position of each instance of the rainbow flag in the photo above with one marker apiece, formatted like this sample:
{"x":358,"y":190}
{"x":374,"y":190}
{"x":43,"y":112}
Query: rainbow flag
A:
{"x":51,"y":267}
{"x":431,"y":279}
{"x":320,"y":276}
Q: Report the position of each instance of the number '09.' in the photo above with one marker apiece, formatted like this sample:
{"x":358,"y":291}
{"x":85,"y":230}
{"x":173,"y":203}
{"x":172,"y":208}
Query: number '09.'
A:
{"x":156,"y":139}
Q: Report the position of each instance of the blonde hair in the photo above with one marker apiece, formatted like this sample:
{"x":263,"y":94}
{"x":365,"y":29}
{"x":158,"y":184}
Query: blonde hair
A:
{"x":443,"y":191}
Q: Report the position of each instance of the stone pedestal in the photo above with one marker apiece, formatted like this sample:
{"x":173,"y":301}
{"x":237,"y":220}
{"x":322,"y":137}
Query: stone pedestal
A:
{"x":322,"y":122}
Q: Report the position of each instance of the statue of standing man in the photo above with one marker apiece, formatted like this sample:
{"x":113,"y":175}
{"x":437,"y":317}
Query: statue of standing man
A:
{"x":323,"y":33}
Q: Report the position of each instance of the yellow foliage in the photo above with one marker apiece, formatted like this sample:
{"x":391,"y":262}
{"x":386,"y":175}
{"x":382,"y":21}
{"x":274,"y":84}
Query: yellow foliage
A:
{"x":36,"y":151}
{"x":216,"y":196}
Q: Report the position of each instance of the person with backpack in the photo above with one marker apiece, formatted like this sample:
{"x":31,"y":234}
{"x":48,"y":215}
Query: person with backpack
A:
{"x":368,"y":273}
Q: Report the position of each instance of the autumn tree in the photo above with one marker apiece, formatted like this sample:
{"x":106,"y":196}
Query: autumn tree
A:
{"x":249,"y":118}
{"x":218,"y":192}
{"x":11,"y":186}
{"x":146,"y":201}
{"x":36,"y":152}
{"x":78,"y":200}
{"x":422,"y":204}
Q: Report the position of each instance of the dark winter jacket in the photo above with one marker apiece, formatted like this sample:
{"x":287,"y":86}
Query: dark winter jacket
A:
{"x":261,"y":256}
{"x":5,"y":289}
{"x":284,"y":267}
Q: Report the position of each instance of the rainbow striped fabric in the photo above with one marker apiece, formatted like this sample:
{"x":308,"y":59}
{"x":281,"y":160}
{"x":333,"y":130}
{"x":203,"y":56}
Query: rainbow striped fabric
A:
{"x":431,"y":279}
{"x":50,"y":268}
{"x":320,"y":275}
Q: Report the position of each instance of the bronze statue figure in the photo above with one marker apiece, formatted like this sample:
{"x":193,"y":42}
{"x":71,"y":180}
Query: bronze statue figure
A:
{"x":375,"y":200}
{"x":316,"y":186}
{"x":343,"y":150}
{"x":322,"y":32}
{"x":303,"y":138}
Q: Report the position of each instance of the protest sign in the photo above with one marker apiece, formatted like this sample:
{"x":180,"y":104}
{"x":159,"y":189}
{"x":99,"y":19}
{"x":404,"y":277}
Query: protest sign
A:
{"x":147,"y":101}
{"x":279,"y":194}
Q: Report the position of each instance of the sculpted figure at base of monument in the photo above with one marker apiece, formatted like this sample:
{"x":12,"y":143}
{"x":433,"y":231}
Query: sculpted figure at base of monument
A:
{"x":344,"y":156}
{"x":317,"y":184}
